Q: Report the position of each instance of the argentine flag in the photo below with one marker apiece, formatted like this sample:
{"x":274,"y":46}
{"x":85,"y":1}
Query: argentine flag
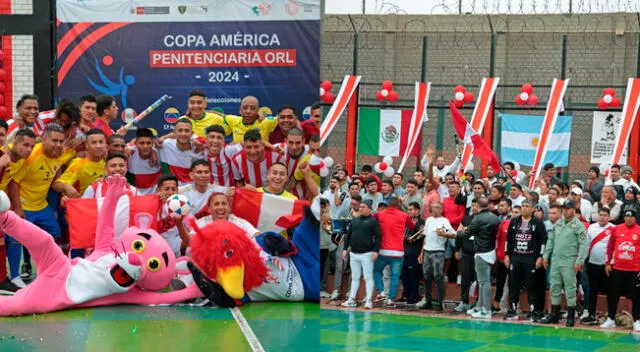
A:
{"x":521,"y":134}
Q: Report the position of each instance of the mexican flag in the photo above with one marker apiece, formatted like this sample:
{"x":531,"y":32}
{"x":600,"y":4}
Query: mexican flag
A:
{"x":385,"y":132}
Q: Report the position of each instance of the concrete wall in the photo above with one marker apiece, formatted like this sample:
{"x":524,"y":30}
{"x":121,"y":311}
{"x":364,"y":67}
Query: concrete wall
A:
{"x":602,"y":52}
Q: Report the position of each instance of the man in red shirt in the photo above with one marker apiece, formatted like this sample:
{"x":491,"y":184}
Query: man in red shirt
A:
{"x":623,"y":266}
{"x":107,"y":111}
{"x":454,"y":209}
{"x":311,"y":126}
{"x":393,"y":222}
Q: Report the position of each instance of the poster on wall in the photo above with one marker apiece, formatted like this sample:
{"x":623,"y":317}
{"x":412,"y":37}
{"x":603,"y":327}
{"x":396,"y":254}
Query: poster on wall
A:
{"x":603,"y":136}
{"x":138,"y":51}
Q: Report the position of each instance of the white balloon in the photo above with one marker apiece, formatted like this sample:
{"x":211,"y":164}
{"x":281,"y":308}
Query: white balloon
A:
{"x":524,"y":96}
{"x":459,"y":96}
{"x":384,"y":92}
{"x":324,"y":172}
{"x":389,"y":171}
{"x":328,"y":161}
{"x":387,"y":160}
{"x":607,"y":98}
{"x":376,"y":168}
{"x":516,"y":165}
{"x":322,"y":91}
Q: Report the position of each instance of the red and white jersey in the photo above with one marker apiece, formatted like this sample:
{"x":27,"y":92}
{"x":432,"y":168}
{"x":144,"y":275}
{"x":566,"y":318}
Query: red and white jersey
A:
{"x":298,"y":188}
{"x":37,"y":127}
{"x":623,"y":249}
{"x":221,"y":173}
{"x":199,"y":206}
{"x":142,"y":175}
{"x":168,"y":230}
{"x":178,"y":162}
{"x":253,"y":173}
{"x":98,"y":189}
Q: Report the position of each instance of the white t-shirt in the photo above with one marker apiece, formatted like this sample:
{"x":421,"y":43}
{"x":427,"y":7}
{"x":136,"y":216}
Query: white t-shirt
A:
{"x":586,"y":209}
{"x":598,"y":255}
{"x":433,"y":242}
{"x":199,"y":200}
{"x":517,"y":201}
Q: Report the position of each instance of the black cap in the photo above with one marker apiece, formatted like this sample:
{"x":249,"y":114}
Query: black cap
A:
{"x":569,"y":204}
{"x":595,"y":169}
{"x":368,"y":203}
{"x":630,"y":212}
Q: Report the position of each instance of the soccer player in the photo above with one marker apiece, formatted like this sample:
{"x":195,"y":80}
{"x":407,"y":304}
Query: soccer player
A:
{"x":177,"y":154}
{"x":168,"y":186}
{"x":87,"y":111}
{"x":311,"y":127}
{"x":294,"y":151}
{"x":115,"y":164}
{"x":199,"y":191}
{"x":199,"y":118}
{"x":28,"y":108}
{"x":219,"y":156}
{"x":107,"y":111}
{"x":116,"y":144}
{"x":250,"y":167}
{"x":248,"y":120}
{"x":141,"y":173}
{"x":287,"y":120}
{"x":82,"y":172}
{"x":277,"y":180}
{"x":304,"y":174}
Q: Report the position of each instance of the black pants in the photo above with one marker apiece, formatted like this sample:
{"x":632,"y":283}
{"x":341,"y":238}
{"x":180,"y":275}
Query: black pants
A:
{"x":523,"y":270}
{"x":624,"y":283}
{"x":501,"y":277}
{"x":540,"y":288}
{"x":468,"y":273}
{"x":324,"y":253}
{"x":598,"y":283}
{"x":410,"y":276}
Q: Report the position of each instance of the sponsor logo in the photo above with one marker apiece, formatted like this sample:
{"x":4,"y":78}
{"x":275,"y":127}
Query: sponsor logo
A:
{"x":128,"y":115}
{"x":390,"y":134}
{"x":262,"y":10}
{"x":171,"y":115}
{"x":292,"y":8}
{"x":182,"y":9}
{"x":152,"y":10}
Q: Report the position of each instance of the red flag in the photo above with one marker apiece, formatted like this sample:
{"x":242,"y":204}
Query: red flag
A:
{"x":82,"y":216}
{"x":472,"y":138}
{"x":268,"y":212}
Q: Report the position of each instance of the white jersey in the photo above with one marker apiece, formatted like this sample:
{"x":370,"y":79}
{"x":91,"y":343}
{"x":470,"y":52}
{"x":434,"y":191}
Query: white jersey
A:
{"x":178,"y":162}
{"x":221,"y":171}
{"x":141,"y":174}
{"x":199,"y":206}
{"x":598,"y":255}
{"x":169,"y":231}
{"x":284,"y":282}
{"x":98,"y":189}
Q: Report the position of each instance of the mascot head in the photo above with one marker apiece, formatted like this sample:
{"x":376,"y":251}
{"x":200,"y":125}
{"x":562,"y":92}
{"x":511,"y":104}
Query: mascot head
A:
{"x":225,"y":253}
{"x":144,"y":257}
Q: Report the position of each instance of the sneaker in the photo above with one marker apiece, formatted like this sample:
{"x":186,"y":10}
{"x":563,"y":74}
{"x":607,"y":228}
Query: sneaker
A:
{"x":585,"y":314}
{"x":589,"y":320}
{"x":334,"y":295}
{"x":461,"y":307}
{"x":7,"y":287}
{"x":459,"y":280}
{"x":422,"y":303}
{"x":481,"y":314}
{"x":609,"y":324}
{"x":25,"y":271}
{"x":402,"y":300}
{"x":473,"y":311}
{"x":350,"y":303}
{"x":494,"y":310}
{"x":537,"y":315}
{"x":18,"y":282}
{"x":511,"y":315}
{"x":368,"y":304}
{"x":636,"y":325}
{"x":389,"y":303}
{"x":324,"y":294}
{"x":381,"y":297}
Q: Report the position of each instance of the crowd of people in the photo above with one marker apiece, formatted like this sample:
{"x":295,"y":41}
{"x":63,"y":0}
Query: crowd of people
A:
{"x":580,"y":240}
{"x":51,"y":157}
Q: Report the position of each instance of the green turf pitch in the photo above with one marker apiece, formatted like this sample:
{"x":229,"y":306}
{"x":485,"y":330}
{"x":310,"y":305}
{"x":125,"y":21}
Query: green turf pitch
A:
{"x":343,"y":330}
{"x":278,"y":326}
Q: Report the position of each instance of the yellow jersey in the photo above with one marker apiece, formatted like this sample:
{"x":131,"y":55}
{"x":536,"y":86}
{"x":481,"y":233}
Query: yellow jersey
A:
{"x":9,"y":172}
{"x":299,"y":175}
{"x":208,"y":119}
{"x":37,"y":175}
{"x":285,"y":194}
{"x":81,"y":173}
{"x":238,"y":128}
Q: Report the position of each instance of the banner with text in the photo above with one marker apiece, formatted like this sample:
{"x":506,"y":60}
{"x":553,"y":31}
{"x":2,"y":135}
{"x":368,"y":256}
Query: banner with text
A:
{"x":603,"y":136}
{"x":137,"y":51}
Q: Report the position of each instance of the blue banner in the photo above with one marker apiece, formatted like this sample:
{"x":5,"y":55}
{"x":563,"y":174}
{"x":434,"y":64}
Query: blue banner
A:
{"x":273,"y":59}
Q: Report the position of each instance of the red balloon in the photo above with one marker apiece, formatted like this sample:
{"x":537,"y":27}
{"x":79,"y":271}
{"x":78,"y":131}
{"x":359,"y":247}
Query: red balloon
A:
{"x":1,"y":99}
{"x":458,"y":103}
{"x":393,"y":95}
{"x":468,"y":97}
{"x":615,"y":103}
{"x":2,"y":87}
{"x":3,"y":74}
{"x":609,"y":91}
{"x":519,"y":100}
{"x":459,"y":88}
{"x":3,"y":112}
{"x":328,"y":97}
{"x":383,"y":166}
{"x":326,"y":85}
{"x":379,"y":96}
{"x":387,"y":85}
{"x":527,"y":88}
{"x":533,"y":100}
{"x":602,"y":104}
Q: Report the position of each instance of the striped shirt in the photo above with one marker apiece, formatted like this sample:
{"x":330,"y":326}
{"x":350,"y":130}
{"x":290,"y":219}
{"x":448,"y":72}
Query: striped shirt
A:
{"x":37,"y":126}
{"x":253,"y":172}
{"x":221,"y":173}
{"x":99,"y":188}
{"x":176,"y":161}
{"x":141,"y":174}
{"x":298,"y":188}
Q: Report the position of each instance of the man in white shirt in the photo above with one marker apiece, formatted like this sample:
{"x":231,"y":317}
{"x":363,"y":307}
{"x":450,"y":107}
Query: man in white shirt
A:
{"x":338,"y":199}
{"x":599,"y":234}
{"x":515,"y":194}
{"x":584,"y":205}
{"x":433,"y":253}
{"x":626,"y":180}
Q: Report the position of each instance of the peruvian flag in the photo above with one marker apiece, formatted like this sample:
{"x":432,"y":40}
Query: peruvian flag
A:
{"x":268,"y":212}
{"x":472,"y":139}
{"x":82,"y":216}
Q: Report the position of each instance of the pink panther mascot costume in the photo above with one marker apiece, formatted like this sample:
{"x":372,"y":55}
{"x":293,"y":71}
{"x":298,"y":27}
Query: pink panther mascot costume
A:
{"x":120,"y":271}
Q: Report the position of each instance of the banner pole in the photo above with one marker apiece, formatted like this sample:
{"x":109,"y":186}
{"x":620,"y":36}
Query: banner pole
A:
{"x":352,"y":130}
{"x":634,"y":147}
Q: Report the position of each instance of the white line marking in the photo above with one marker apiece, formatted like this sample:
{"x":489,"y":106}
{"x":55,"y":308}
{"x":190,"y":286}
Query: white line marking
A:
{"x":255,"y":344}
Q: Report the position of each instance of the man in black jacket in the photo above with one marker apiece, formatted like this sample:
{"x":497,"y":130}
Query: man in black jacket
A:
{"x":464,"y":254}
{"x":526,"y":237}
{"x":411,"y":269}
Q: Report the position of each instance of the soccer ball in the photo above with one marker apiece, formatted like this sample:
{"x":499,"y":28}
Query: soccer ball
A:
{"x":178,"y":204}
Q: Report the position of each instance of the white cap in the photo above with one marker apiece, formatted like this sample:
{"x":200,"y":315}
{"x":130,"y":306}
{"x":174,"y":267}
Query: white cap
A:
{"x":576,"y":191}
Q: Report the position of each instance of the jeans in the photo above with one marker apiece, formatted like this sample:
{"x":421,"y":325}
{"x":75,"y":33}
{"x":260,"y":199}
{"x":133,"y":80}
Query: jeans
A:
{"x":433,"y":269}
{"x":483,"y":272}
{"x":361,"y":264}
{"x":395,"y":263}
{"x":341,"y":266}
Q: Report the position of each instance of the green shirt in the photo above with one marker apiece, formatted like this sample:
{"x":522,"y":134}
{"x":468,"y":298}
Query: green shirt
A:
{"x":567,"y":243}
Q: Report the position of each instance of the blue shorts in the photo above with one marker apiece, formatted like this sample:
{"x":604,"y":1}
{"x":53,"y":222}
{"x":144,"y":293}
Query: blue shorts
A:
{"x":44,"y":219}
